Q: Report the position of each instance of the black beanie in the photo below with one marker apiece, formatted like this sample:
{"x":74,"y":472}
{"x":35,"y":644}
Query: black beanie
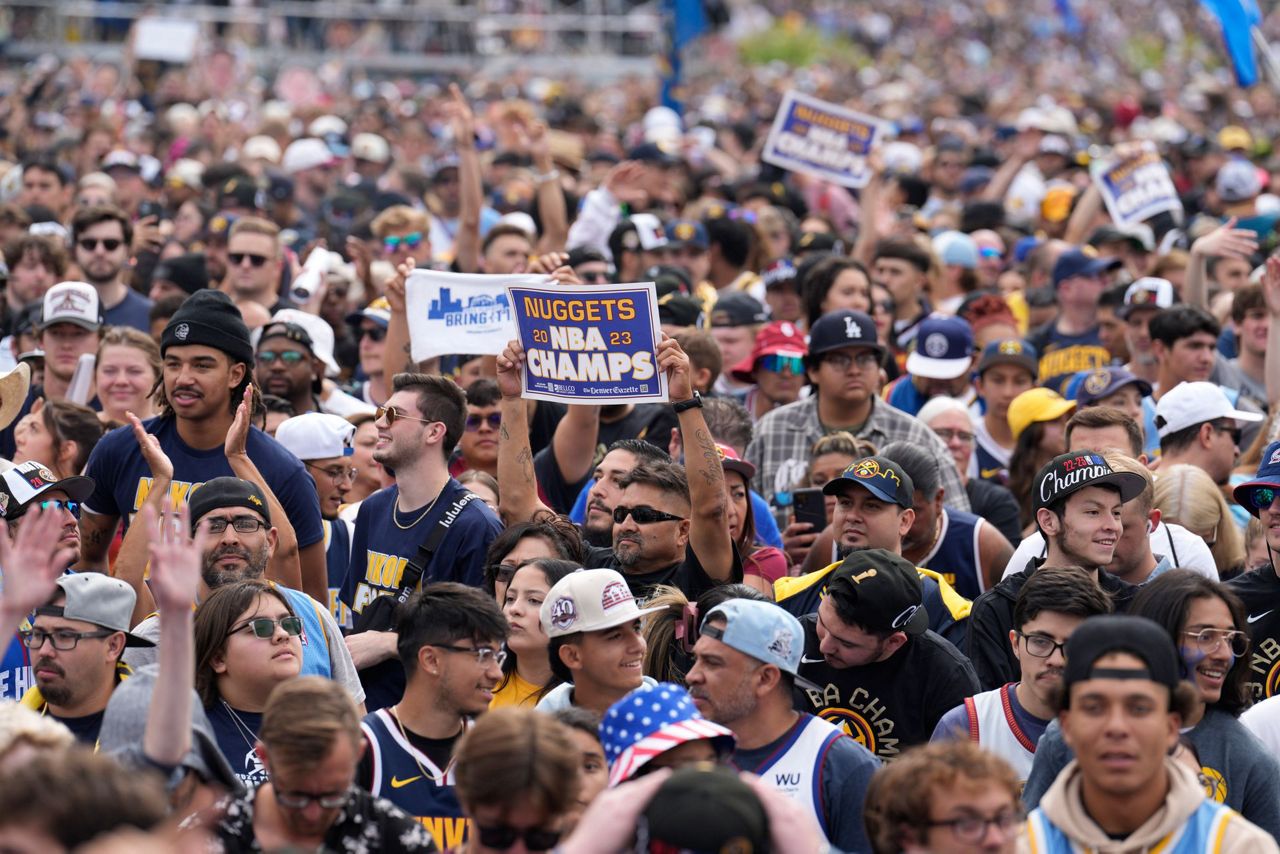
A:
{"x":186,"y":271}
{"x":222,"y":492}
{"x":209,"y":317}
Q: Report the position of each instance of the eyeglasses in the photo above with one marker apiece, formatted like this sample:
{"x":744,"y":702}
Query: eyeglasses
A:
{"x":238,"y":258}
{"x":946,"y":434}
{"x":88,"y":244}
{"x":302,"y":800}
{"x":503,"y":572}
{"x":392,"y":415}
{"x":1041,"y":646}
{"x":779,"y":364}
{"x":1261,"y":498}
{"x":1208,"y":640}
{"x":594,"y":278}
{"x":287,"y":357}
{"x":62,"y":639}
{"x":643,"y":515}
{"x":241,"y":524}
{"x":482,"y":654}
{"x":473,"y":422}
{"x":375,"y":333}
{"x":337,"y":474}
{"x":864,"y":360}
{"x":265,"y":627}
{"x":972,"y":828}
{"x":411,"y":240}
{"x":503,"y":836}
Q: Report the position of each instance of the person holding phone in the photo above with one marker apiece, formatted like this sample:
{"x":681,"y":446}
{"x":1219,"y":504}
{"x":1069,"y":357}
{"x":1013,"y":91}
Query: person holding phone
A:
{"x":761,"y":565}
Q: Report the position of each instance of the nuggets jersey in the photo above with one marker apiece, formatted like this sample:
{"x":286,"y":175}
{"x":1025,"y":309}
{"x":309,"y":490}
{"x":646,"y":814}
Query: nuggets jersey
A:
{"x":955,"y":554}
{"x":795,"y":768}
{"x":405,"y":776}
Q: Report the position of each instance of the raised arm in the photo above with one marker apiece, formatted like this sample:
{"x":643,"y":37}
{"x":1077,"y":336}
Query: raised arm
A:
{"x":869,"y":201}
{"x":551,"y":206}
{"x":1271,"y":290}
{"x":30,"y":564}
{"x":131,"y":561}
{"x":518,"y":499}
{"x":574,"y":442}
{"x":1225,"y":241}
{"x":709,"y":520}
{"x":470,"y":186}
{"x":399,"y":349}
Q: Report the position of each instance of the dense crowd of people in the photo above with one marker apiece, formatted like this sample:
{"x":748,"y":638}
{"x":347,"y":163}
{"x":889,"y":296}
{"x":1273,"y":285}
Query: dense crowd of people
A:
{"x":958,"y":530}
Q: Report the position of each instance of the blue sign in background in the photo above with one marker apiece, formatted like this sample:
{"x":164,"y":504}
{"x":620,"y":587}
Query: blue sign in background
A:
{"x":589,"y":344}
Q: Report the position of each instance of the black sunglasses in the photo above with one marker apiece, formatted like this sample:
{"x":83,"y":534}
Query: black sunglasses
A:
{"x":503,"y":836}
{"x":376,"y":333}
{"x":473,"y":422}
{"x":237,"y":258}
{"x":88,"y":244}
{"x":643,"y":515}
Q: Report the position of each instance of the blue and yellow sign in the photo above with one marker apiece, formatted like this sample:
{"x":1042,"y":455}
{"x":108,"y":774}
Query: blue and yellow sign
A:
{"x":822,"y":139}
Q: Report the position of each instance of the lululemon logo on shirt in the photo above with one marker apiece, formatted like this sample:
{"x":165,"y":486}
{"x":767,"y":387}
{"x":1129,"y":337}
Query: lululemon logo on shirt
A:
{"x":182,"y":332}
{"x":851,"y":328}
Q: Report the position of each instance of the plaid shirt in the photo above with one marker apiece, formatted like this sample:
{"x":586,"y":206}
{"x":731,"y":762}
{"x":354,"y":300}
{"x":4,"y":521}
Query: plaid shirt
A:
{"x":780,"y":449}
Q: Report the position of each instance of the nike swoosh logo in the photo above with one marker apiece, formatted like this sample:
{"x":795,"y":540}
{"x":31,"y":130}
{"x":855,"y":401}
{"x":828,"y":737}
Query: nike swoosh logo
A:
{"x":1254,"y":619}
{"x":397,"y":783}
{"x":804,"y":659}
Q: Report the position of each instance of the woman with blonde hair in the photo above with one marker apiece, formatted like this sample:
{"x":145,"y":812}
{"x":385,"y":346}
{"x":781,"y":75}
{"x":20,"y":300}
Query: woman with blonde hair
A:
{"x":1185,"y":494}
{"x":128,"y":367}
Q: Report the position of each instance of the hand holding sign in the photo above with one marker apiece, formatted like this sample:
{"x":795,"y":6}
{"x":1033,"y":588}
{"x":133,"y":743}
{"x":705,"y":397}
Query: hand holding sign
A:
{"x":675,"y":362}
{"x":510,"y":364}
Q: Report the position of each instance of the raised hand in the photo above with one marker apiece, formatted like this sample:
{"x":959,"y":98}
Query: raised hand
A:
{"x":154,"y":456}
{"x":509,"y":364}
{"x":461,"y":119}
{"x":675,"y":362}
{"x":395,"y":292}
{"x":626,"y":182}
{"x":1227,"y":241}
{"x":238,"y":435}
{"x":176,"y":557}
{"x":32,"y":562}
{"x":565,"y":275}
{"x":1271,"y":287}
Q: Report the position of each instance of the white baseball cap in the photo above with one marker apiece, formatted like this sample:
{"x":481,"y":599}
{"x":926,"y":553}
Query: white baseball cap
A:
{"x":589,"y":600}
{"x":304,"y":154}
{"x":261,"y":147}
{"x":317,"y":436}
{"x":1188,"y":404}
{"x":320,"y":332}
{"x":371,"y":147}
{"x":649,"y":230}
{"x":72,"y":302}
{"x":1148,"y":292}
{"x":327,"y":124}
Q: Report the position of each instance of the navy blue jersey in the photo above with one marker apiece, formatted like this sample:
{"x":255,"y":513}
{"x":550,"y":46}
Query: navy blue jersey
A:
{"x":236,"y":731}
{"x":955,"y":555}
{"x":337,"y":556}
{"x":406,"y":776}
{"x":15,"y":669}
{"x":1063,"y":356}
{"x":134,"y":311}
{"x":123,"y":479}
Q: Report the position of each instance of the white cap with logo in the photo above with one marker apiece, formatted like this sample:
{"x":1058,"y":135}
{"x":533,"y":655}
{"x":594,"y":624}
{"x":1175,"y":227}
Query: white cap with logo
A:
{"x":1188,"y":404}
{"x":589,"y":600}
{"x":72,"y":302}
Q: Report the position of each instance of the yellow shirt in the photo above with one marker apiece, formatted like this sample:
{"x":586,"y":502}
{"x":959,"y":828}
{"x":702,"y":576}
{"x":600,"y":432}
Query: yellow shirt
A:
{"x":516,"y":692}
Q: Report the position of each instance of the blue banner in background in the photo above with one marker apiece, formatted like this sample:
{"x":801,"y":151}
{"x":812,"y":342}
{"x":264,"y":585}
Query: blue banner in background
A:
{"x":1237,"y":19}
{"x":589,"y":344}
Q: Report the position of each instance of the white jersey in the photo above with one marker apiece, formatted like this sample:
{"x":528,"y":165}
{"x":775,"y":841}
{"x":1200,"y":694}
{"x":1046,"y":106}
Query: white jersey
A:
{"x":796,"y":769}
{"x":993,"y":726}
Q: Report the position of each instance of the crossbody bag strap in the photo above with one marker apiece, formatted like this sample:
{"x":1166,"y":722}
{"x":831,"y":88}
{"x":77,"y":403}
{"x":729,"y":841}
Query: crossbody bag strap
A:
{"x":417,"y":566}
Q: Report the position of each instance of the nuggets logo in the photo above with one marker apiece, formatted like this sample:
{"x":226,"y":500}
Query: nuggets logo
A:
{"x":867,"y":469}
{"x":1275,"y":457}
{"x":1097,"y":381}
{"x":851,"y":724}
{"x":1215,"y":786}
{"x":564,"y":613}
{"x":1264,"y":668}
{"x":862,"y":716}
{"x":685,"y":231}
{"x":253,"y":499}
{"x":615,"y":593}
{"x":1089,"y":251}
{"x":1011,"y":348}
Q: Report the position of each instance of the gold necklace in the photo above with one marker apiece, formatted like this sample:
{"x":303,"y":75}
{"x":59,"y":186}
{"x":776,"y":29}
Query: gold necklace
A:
{"x":395,"y":508}
{"x":413,"y":753}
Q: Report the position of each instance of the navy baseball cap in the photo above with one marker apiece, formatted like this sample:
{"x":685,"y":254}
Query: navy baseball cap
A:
{"x":780,"y":273}
{"x":1093,"y":386}
{"x":687,"y":232}
{"x":944,"y":348}
{"x":880,"y":476}
{"x":1009,"y":351}
{"x":738,"y":308}
{"x":1261,"y":492}
{"x":843,"y":328}
{"x":1082,"y":262}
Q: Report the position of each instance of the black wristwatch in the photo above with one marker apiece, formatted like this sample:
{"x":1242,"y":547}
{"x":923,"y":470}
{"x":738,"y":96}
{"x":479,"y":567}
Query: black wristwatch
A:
{"x":694,"y":402}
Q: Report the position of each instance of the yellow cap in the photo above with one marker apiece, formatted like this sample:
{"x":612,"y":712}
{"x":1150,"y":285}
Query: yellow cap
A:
{"x":1234,"y":137}
{"x":1036,"y":404}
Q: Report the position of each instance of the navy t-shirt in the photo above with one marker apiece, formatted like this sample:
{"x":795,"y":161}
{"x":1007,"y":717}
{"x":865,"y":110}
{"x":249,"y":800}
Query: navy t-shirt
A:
{"x":123,"y":479}
{"x":236,"y":744}
{"x":380,"y":549}
{"x":134,"y":310}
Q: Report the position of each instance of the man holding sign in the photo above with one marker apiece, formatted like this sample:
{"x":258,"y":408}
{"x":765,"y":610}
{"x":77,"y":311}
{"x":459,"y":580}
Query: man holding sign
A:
{"x":670,"y":522}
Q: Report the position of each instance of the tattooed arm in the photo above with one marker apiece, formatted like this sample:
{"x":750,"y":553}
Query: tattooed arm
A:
{"x":517,"y":485}
{"x":709,"y":522}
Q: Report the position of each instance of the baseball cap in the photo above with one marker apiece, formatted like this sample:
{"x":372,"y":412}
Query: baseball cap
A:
{"x":589,"y":600}
{"x":738,"y":308}
{"x":817,"y":241}
{"x":371,"y":147}
{"x":220,"y":225}
{"x":1034,"y":405}
{"x":1073,"y":471}
{"x":1188,"y":404}
{"x":761,"y":630}
{"x":241,"y":191}
{"x":881,"y":590}
{"x":1235,"y":137}
{"x":222,"y":492}
{"x":677,"y":309}
{"x":956,"y":249}
{"x":781,"y":337}
{"x":944,"y":348}
{"x":1147,"y":292}
{"x":687,"y":232}
{"x":649,"y":230}
{"x":27,"y":481}
{"x":1237,"y":181}
{"x":121,"y":158}
{"x":72,"y":302}
{"x":185,"y":172}
{"x":1139,"y":236}
{"x":327,"y":124}
{"x":1107,"y":633}
{"x":651,"y":720}
{"x":93,"y":597}
{"x":1009,"y":351}
{"x":304,"y":154}
{"x":650,"y":152}
{"x":880,"y":476}
{"x":379,"y":311}
{"x":1104,"y":382}
{"x":731,"y":461}
{"x":843,"y":328}
{"x":1260,"y":492}
{"x":669,"y":279}
{"x":1084,"y":261}
{"x":702,"y":808}
{"x":317,"y":436}
{"x":260,"y":147}
{"x":779,"y":273}
{"x":318,"y":331}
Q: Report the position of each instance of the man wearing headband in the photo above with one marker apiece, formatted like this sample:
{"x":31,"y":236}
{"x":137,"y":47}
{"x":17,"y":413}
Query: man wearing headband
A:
{"x":1121,"y":710}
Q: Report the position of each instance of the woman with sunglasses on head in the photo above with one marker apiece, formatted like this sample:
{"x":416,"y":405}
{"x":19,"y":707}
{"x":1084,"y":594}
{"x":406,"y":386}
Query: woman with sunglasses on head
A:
{"x":247,"y":643}
{"x":1209,"y":627}
{"x":526,"y":673}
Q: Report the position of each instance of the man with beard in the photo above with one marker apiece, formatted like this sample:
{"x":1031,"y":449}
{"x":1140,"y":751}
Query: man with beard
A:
{"x":1077,"y":499}
{"x":237,"y":516}
{"x":102,"y":238}
{"x":204,"y":431}
{"x":289,"y":367}
{"x":1009,"y":720}
{"x":748,"y":654}
{"x":425,"y":528}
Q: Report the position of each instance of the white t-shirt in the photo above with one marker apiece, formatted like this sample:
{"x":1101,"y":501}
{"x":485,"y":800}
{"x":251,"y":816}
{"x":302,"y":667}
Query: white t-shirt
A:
{"x":1263,"y":720}
{"x":1183,"y":549}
